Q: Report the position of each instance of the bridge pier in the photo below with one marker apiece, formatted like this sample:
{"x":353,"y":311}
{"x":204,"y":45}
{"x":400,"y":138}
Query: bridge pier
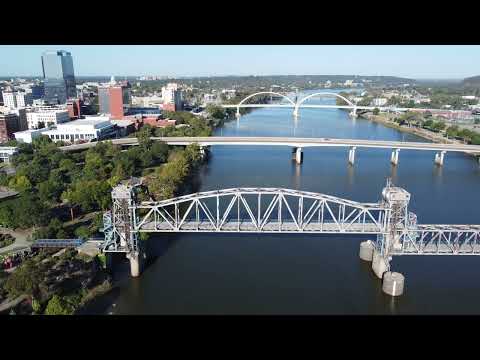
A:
{"x":295,"y":112}
{"x":366,"y":250}
{"x":353,"y":113}
{"x":394,"y":157}
{"x":439,"y":158}
{"x":351,"y":156}
{"x":380,"y":264}
{"x":393,"y":283}
{"x":297,"y":155}
{"x":238,"y":113}
{"x":136,"y":263}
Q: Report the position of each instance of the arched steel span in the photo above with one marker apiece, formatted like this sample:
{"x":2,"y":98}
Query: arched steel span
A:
{"x":282,"y":210}
{"x":277,"y":210}
{"x":266,"y":92}
{"x":301,"y":101}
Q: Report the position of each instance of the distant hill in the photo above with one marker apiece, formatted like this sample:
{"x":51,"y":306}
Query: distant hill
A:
{"x":473,"y":81}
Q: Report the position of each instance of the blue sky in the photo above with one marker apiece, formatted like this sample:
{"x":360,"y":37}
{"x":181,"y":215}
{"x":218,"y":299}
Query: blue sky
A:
{"x":416,"y":61}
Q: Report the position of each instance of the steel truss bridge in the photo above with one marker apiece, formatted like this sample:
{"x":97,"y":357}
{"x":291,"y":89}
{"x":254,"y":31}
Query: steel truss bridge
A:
{"x":276,"y":210}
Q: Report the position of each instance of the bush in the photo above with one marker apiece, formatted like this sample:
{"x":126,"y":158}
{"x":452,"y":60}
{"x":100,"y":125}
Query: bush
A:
{"x":59,"y":306}
{"x":6,"y":239}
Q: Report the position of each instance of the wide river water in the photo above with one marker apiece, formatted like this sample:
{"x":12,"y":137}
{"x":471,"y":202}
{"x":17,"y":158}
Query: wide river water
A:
{"x":308,"y":274}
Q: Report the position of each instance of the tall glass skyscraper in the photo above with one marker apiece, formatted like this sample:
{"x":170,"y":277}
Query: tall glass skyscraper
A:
{"x":59,"y":76}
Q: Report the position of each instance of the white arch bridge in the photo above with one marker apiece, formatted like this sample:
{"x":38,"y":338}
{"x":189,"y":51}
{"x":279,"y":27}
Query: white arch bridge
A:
{"x":278,"y":210}
{"x":301,"y":104}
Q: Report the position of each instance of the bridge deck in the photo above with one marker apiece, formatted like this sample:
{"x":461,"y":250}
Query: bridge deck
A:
{"x":289,"y":141}
{"x":270,"y":227}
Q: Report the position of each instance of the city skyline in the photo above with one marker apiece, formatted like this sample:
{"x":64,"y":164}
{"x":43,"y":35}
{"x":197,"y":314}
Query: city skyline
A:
{"x":415,"y":62}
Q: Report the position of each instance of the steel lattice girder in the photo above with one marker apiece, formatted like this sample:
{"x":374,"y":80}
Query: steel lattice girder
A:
{"x":334,"y":214}
{"x":440,"y":240}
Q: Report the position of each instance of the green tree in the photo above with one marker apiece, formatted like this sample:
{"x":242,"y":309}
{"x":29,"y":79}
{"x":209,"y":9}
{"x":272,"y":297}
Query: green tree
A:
{"x":376,"y":111}
{"x":59,"y":306}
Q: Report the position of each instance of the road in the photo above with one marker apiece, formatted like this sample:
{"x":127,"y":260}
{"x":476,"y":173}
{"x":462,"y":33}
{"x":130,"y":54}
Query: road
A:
{"x":291,"y":141}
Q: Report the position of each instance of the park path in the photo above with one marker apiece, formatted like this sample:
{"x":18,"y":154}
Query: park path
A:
{"x":21,"y":241}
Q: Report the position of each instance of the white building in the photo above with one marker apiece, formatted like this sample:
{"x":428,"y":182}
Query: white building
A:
{"x":469,"y":97}
{"x":209,"y":98}
{"x":16,"y":99}
{"x":379,"y":101}
{"x":24,"y":99}
{"x":6,"y":153}
{"x":172,"y":97}
{"x":46,"y":115}
{"x":82,"y":130}
{"x":28,"y":135}
{"x":9,"y":99}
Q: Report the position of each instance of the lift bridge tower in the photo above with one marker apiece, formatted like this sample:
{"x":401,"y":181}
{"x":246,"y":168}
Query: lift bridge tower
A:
{"x":397,"y":220}
{"x":118,"y":228}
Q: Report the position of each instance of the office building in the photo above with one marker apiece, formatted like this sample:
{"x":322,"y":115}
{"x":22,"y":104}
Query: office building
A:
{"x":172,"y":97}
{"x":10,"y":123}
{"x":46,"y":116}
{"x":16,"y":99}
{"x":74,"y":107}
{"x":59,"y":77}
{"x":114,"y":99}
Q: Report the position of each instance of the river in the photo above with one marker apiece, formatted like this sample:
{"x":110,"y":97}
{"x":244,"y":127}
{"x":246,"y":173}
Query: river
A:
{"x":308,"y":274}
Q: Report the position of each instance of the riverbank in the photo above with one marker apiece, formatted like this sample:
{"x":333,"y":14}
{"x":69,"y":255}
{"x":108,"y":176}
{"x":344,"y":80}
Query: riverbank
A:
{"x":423,"y":133}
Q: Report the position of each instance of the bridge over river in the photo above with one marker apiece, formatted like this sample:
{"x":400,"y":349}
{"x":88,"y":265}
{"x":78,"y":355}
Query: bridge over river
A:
{"x":277,"y":210}
{"x":298,"y":143}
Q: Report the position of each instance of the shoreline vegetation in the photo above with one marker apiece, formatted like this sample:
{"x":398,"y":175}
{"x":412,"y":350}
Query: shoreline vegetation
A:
{"x":63,"y":196}
{"x":436,"y":137}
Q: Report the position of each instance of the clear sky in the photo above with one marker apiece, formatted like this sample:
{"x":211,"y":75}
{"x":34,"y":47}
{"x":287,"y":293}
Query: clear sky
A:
{"x":416,"y":61}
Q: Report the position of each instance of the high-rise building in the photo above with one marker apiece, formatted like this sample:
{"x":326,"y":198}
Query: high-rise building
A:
{"x":172,"y":97}
{"x":113,"y":99}
{"x":59,"y":77}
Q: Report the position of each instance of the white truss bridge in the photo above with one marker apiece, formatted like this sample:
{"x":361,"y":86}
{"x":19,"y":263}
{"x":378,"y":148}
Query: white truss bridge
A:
{"x":277,"y":210}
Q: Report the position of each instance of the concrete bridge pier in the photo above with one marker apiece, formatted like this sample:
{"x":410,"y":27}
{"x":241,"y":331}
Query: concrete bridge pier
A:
{"x":204,"y":151}
{"x":366,"y":250}
{"x":394,"y":157}
{"x":295,"y":112}
{"x":439,"y":157}
{"x":351,"y":156}
{"x":238,"y":113}
{"x":353,"y":113}
{"x":136,"y":263}
{"x":380,"y":263}
{"x":297,"y":155}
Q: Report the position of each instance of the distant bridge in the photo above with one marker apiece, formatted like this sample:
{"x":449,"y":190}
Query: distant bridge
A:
{"x":300,"y":104}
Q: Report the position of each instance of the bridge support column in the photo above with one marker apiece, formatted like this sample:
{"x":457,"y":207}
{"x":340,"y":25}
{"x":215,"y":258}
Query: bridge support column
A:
{"x":393,"y":283}
{"x":351,"y":156}
{"x":353,"y":114}
{"x":295,"y":112}
{"x":135,"y":263}
{"x":394,"y":157}
{"x":366,"y":250}
{"x":379,"y":264}
{"x":297,"y":155}
{"x":238,"y":112}
{"x":439,"y":157}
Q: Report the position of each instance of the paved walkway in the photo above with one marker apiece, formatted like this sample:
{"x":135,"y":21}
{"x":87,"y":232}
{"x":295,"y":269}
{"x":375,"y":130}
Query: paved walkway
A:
{"x":20,"y":240}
